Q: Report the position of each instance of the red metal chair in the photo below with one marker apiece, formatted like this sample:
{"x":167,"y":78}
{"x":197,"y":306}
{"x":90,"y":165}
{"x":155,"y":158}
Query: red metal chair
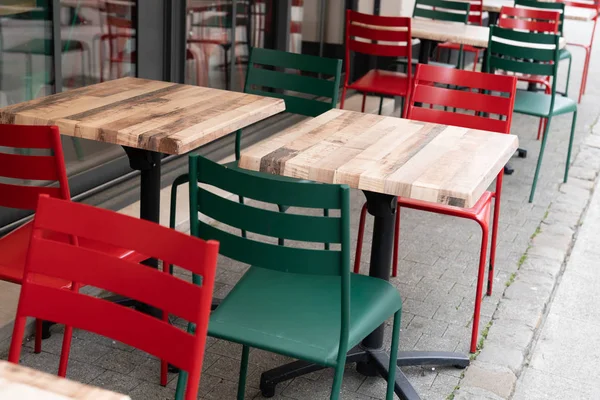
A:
{"x":51,"y":168}
{"x":67,"y":261}
{"x":475,"y":102}
{"x":532,"y":20}
{"x":364,"y":33}
{"x":475,"y":18}
{"x":590,"y":5}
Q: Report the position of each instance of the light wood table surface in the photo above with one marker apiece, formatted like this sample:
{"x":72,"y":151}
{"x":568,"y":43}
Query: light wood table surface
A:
{"x":151,"y":115}
{"x":442,"y":31}
{"x":19,"y":382}
{"x":416,"y":160}
{"x":572,"y":13}
{"x":6,"y":10}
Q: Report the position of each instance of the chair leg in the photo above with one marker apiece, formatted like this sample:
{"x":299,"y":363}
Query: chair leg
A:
{"x":541,"y":128}
{"x":343,"y":100}
{"x":380,"y":105}
{"x":588,"y":56}
{"x":570,"y":147}
{"x":38,"y":335}
{"x":359,"y":241}
{"x":396,"y":243}
{"x":584,"y":75}
{"x":337,"y":382}
{"x":364,"y":101}
{"x":495,"y":220}
{"x":393,"y":356}
{"x":66,"y":349}
{"x":475,"y":60}
{"x":568,"y":77}
{"x":539,"y":162}
{"x":243,"y":372}
{"x":480,"y":278}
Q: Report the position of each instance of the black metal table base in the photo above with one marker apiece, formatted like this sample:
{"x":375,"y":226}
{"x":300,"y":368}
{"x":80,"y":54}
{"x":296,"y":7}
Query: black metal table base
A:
{"x":371,"y":362}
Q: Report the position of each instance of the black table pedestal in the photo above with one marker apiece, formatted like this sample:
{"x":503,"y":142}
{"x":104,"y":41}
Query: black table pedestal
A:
{"x":370,"y":358}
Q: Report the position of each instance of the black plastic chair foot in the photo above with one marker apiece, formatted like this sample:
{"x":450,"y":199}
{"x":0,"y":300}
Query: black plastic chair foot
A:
{"x":508,"y":170}
{"x":522,"y":153}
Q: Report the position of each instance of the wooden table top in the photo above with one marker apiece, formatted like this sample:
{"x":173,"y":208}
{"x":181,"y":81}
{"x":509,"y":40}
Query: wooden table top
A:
{"x":18,"y":9}
{"x":152,"y":115}
{"x":422,"y":161}
{"x":19,"y":382}
{"x":572,"y":13}
{"x":442,"y":31}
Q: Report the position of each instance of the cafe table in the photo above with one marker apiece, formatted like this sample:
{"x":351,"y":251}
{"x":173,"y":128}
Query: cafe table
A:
{"x":442,"y":31}
{"x":148,"y":118}
{"x":19,"y":382}
{"x":385,"y":157}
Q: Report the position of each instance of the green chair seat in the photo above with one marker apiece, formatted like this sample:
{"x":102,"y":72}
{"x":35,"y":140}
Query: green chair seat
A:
{"x":564,"y":54}
{"x":303,"y":310}
{"x":537,"y":104}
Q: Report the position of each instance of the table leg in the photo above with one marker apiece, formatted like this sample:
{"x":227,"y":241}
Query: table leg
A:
{"x":424,"y":50}
{"x":493,"y":18}
{"x":148,"y":163}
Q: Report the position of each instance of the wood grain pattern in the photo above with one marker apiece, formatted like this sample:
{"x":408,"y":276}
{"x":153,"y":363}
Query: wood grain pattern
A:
{"x":18,"y":382}
{"x":422,"y":161}
{"x":152,"y":115}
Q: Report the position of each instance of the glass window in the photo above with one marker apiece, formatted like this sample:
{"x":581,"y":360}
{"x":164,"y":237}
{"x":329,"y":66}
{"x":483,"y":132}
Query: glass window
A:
{"x":98,"y":44}
{"x":213,"y":45}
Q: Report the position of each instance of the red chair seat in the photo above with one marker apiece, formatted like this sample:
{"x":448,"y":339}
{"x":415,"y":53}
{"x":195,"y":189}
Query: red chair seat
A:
{"x":13,"y":251}
{"x":476,"y":212}
{"x":382,"y":82}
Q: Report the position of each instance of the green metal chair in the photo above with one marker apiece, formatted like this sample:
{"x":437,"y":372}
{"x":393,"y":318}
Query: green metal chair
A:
{"x":522,"y":56}
{"x":301,"y":301}
{"x":443,"y":10}
{"x":303,"y":94}
{"x":564,"y":53}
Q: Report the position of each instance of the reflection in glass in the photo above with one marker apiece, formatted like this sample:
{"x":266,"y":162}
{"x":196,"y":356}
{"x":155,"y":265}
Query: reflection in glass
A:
{"x":214,"y":41}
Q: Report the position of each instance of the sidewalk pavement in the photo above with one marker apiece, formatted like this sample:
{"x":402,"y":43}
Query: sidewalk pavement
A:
{"x":564,"y":359}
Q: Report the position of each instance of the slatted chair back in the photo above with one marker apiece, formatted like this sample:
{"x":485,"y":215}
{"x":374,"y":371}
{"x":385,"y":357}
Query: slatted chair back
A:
{"x":473,"y":94}
{"x":265,"y":225}
{"x":531,"y":20}
{"x":529,"y":53}
{"x":22,"y":170}
{"x":442,"y":10}
{"x":274,"y":73}
{"x":587,"y":4}
{"x":548,"y":6}
{"x":476,"y":12}
{"x":89,"y":267}
{"x":377,"y":36}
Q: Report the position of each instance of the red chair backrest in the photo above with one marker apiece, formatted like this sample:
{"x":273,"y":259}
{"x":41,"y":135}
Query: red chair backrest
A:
{"x":136,"y":281}
{"x":424,"y":91}
{"x":476,"y":12}
{"x":372,"y":29}
{"x":590,"y":4}
{"x":532,"y":20}
{"x":31,"y":167}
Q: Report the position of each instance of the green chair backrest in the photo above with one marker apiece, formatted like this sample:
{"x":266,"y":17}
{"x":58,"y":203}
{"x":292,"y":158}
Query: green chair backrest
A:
{"x":523,"y":54}
{"x":274,"y":73}
{"x":442,"y":10}
{"x":542,"y":5}
{"x":308,"y":229}
{"x":300,"y":92}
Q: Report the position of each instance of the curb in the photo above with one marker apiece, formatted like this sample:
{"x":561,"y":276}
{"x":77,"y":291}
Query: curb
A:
{"x":510,"y":334}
